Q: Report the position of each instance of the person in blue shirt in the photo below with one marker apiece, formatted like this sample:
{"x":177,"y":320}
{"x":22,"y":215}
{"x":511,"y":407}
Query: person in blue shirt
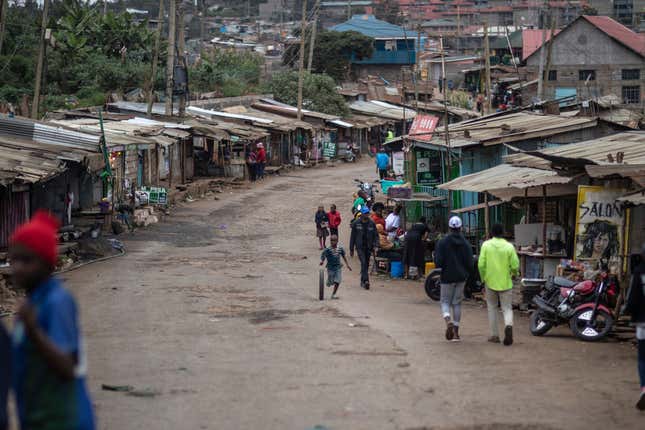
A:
{"x":5,"y":375}
{"x":382,"y":164}
{"x":333,"y":255}
{"x":48,"y":363}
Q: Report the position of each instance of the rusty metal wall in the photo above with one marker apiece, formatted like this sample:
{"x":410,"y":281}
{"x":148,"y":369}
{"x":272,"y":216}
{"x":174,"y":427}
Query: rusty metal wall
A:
{"x":14,"y":210}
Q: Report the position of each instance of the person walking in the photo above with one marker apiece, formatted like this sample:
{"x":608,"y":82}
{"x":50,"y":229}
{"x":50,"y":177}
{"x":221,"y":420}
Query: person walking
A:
{"x":261,"y":156}
{"x":414,"y":248}
{"x":364,"y":239}
{"x":382,"y":163}
{"x":48,"y":361}
{"x":334,"y":220}
{"x":322,"y":226}
{"x":635,"y":306}
{"x":454,"y":256}
{"x":498,"y":262}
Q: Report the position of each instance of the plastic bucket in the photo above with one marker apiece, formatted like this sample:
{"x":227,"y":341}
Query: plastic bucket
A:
{"x":396,"y":269}
{"x":429,"y":267}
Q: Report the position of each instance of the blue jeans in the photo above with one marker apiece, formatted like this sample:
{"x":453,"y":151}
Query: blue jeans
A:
{"x":451,"y":296}
{"x":260,"y":167}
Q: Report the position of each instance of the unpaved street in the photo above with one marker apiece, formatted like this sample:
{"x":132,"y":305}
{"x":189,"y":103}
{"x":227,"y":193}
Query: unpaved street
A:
{"x":213,"y":317}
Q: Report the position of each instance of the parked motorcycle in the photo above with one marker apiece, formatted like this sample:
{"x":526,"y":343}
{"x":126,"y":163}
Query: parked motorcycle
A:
{"x":583,"y":305}
{"x":433,"y":283}
{"x":350,"y":154}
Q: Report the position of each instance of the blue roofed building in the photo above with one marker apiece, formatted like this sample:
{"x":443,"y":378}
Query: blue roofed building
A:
{"x":394,"y":46}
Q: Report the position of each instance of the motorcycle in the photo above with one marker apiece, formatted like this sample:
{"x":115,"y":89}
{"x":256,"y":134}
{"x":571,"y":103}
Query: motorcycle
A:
{"x":350,"y":154}
{"x":367,"y":187}
{"x":433,"y":283}
{"x":583,"y":305}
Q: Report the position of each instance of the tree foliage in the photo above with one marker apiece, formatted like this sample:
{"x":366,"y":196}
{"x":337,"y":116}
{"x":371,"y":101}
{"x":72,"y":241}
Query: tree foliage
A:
{"x":234,"y":74}
{"x":388,"y":10}
{"x":318,"y":92}
{"x":333,"y":52}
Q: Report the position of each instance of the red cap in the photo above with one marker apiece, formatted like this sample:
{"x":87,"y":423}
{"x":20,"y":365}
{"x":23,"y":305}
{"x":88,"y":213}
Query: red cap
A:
{"x":40,"y":236}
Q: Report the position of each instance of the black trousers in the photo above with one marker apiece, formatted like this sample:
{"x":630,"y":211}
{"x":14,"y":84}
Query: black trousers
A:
{"x":382,"y":173}
{"x":364,"y":257}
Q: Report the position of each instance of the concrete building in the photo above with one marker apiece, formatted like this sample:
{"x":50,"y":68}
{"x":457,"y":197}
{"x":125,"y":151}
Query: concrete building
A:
{"x":595,"y":56}
{"x":630,"y":13}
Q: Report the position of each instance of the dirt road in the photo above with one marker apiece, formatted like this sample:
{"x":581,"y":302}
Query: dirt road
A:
{"x":212,"y":316}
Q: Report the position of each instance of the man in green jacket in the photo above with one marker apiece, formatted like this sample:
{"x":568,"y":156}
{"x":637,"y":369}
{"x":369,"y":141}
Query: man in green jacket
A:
{"x":497,"y":263}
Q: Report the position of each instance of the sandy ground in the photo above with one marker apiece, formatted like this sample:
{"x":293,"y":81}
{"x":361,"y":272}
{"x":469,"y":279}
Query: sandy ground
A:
{"x":214,"y":315}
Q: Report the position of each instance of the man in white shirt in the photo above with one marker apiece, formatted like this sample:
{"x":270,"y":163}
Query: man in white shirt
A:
{"x":393,"y":223}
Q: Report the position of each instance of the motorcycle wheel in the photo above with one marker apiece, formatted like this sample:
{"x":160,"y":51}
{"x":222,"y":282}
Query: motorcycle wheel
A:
{"x":433,"y":287}
{"x":579,"y":324}
{"x":537,"y":325}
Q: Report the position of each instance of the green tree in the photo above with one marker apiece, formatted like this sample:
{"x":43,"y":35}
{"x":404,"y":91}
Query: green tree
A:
{"x":333,"y":53}
{"x":318,"y":92}
{"x":233,"y":74}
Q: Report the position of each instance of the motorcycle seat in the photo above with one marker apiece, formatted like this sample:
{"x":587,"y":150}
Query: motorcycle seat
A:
{"x":563,"y":282}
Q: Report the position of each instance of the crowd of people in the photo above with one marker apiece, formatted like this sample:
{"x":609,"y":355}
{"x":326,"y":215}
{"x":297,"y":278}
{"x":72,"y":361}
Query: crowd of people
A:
{"x":256,"y":161}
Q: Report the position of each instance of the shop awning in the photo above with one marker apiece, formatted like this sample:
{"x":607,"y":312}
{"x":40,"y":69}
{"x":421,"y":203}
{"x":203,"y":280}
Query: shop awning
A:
{"x":637,"y":198}
{"x":477,"y":207}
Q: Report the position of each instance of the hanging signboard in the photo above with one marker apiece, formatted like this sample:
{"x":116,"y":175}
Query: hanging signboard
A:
{"x":423,"y":127}
{"x":600,"y":222}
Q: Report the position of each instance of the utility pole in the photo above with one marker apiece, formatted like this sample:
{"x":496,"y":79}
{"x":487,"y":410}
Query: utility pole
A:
{"x":517,"y":70}
{"x":540,"y":90}
{"x":549,"y":51}
{"x":182,"y":60}
{"x":312,"y":41}
{"x":487,"y":54}
{"x":4,"y":11}
{"x":155,"y":60}
{"x":349,"y":10}
{"x":301,"y":65}
{"x":417,"y":68}
{"x":202,"y":17}
{"x":446,"y":119}
{"x":170,"y":61}
{"x":105,"y":7}
{"x":40,"y":62}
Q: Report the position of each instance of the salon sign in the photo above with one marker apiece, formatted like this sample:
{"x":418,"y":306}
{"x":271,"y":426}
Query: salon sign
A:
{"x":600,"y":222}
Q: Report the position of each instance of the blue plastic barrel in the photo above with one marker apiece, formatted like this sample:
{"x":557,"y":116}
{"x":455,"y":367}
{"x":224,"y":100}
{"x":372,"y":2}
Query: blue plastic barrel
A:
{"x":396,"y":269}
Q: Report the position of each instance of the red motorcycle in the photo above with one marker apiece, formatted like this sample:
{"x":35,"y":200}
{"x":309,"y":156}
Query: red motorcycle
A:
{"x":585,"y":306}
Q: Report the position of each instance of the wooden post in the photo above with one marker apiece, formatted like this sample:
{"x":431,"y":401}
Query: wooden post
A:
{"x":486,"y":215}
{"x":543,"y":222}
{"x":155,"y":59}
{"x":301,"y":65}
{"x":526,"y":206}
{"x":489,"y":103}
{"x":40,"y":61}
{"x":170,"y":60}
{"x":182,"y":60}
{"x":4,"y":11}
{"x":171,"y":154}
{"x":446,"y":120}
{"x":312,"y":41}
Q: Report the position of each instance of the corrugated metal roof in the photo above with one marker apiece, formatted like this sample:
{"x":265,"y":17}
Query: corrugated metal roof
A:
{"x":157,"y":108}
{"x":637,"y":198}
{"x":504,"y":176}
{"x":383,"y":110}
{"x":372,"y":27}
{"x":23,"y":128}
{"x":630,"y":143}
{"x":212,"y":113}
{"x":291,"y":111}
{"x":512,"y":127}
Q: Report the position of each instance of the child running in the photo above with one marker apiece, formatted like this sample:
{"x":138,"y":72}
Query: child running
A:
{"x":334,"y":266}
{"x":322,"y":226}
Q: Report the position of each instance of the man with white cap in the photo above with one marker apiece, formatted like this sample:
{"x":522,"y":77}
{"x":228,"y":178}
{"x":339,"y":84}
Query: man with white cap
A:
{"x":454,"y":256}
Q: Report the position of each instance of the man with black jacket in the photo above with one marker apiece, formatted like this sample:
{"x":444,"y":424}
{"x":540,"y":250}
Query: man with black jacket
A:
{"x":635,"y":306}
{"x":364,"y":239}
{"x":454,"y":256}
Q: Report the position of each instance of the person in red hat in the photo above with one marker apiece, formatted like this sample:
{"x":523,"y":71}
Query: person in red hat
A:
{"x":48,"y":361}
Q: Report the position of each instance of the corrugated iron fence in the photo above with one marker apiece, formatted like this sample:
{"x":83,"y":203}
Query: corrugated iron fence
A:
{"x":14,"y":210}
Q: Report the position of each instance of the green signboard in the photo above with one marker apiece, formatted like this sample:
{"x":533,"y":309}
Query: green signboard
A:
{"x":156,"y":195}
{"x":329,"y":150}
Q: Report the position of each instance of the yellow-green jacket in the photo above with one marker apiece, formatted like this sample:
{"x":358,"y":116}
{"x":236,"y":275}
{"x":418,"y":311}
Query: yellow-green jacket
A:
{"x":497,"y":263}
